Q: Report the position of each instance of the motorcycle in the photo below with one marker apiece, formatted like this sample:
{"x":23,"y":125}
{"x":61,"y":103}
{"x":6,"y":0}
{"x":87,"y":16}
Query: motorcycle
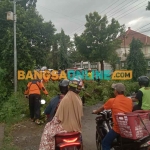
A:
{"x":104,"y":124}
{"x":67,"y":141}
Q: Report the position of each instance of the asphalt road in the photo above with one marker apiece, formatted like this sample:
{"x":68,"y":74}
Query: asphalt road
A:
{"x":89,"y":128}
{"x":27,"y":135}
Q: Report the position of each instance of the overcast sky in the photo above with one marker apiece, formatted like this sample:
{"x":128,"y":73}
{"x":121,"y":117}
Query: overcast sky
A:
{"x":70,"y":14}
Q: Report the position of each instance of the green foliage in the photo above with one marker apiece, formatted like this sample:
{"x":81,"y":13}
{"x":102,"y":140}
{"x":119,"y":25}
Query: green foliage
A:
{"x":99,"y":39}
{"x":27,"y":3}
{"x":14,"y":109}
{"x":113,"y":60}
{"x":95,"y":92}
{"x":135,"y":60}
{"x":3,"y":89}
{"x":60,"y":51}
{"x":34,"y":40}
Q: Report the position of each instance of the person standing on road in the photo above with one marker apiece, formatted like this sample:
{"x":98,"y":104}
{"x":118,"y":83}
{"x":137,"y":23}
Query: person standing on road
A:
{"x":119,"y":104}
{"x":33,"y":92}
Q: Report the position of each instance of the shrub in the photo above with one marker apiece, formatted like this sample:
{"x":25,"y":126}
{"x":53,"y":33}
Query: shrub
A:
{"x":16,"y":106}
{"x":14,"y":109}
{"x":103,"y":91}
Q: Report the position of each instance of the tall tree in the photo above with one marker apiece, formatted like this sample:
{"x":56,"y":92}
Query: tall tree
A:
{"x":27,"y":3}
{"x":61,"y":46}
{"x":113,"y":60}
{"x":34,"y":39}
{"x":135,"y":60}
{"x":99,"y":39}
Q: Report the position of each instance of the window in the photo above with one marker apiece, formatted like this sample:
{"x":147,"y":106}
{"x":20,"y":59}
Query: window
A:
{"x":148,"y":63}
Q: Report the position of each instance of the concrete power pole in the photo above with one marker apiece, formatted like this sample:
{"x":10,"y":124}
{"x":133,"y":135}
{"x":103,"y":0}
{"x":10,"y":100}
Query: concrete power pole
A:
{"x":12,"y":16}
{"x":15,"y":49}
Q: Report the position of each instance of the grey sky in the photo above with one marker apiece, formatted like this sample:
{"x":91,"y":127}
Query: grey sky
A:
{"x":70,"y":14}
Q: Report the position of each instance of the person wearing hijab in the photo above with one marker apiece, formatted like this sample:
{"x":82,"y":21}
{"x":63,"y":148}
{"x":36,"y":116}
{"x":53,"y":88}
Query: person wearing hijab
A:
{"x":67,"y":117}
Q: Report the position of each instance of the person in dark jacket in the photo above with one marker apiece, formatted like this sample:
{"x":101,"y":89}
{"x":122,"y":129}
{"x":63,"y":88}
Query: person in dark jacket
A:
{"x":54,"y":102}
{"x":33,"y":92}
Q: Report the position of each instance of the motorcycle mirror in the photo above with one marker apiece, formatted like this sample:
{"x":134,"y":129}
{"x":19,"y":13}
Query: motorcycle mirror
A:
{"x":43,"y":101}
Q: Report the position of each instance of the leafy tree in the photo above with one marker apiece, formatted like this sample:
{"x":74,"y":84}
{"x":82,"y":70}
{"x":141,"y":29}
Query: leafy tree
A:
{"x":34,"y":40}
{"x":113,"y":60}
{"x":27,"y":3}
{"x":99,"y":39}
{"x":135,"y":60}
{"x":75,"y":56}
{"x":60,"y":50}
{"x":148,"y":6}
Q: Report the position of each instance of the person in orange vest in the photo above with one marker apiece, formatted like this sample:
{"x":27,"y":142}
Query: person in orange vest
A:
{"x":33,"y":92}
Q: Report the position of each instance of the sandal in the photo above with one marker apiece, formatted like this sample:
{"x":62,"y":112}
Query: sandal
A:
{"x":38,"y":122}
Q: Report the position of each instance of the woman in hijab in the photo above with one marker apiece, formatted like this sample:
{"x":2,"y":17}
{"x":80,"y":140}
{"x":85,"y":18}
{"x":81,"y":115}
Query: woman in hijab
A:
{"x":67,"y":117}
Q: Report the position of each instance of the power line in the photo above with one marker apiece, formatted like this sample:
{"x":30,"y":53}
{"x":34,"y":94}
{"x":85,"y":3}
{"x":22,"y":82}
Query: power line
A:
{"x":143,"y":26}
{"x":120,"y":16}
{"x":100,"y":12}
{"x":61,"y":14}
{"x":131,"y":12}
{"x":116,"y":6}
{"x":115,"y":12}
{"x":109,"y":6}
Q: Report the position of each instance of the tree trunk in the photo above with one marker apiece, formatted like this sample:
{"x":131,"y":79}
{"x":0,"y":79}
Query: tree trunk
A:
{"x":102,"y":68}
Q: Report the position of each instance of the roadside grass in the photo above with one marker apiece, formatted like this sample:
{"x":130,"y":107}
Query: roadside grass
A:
{"x":8,"y":139}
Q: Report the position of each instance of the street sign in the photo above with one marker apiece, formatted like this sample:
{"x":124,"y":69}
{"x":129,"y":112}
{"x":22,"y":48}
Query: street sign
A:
{"x":122,"y":75}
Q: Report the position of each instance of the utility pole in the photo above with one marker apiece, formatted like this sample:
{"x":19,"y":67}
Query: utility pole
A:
{"x":15,"y":49}
{"x":12,"y":16}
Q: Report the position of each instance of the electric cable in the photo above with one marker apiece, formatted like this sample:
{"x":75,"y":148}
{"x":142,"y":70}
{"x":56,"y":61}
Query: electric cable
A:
{"x":119,"y":10}
{"x":120,"y":16}
{"x":61,"y":14}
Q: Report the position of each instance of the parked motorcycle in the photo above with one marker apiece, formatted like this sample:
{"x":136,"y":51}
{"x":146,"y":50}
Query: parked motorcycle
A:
{"x":104,"y":124}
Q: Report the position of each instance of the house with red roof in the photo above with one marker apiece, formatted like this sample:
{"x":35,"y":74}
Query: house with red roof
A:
{"x":123,"y":51}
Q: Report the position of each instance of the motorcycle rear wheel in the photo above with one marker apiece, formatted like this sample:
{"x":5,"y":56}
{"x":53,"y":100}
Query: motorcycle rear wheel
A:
{"x":98,"y":142}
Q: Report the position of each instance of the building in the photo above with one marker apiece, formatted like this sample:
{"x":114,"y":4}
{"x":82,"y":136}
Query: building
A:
{"x":123,"y":51}
{"x":93,"y":66}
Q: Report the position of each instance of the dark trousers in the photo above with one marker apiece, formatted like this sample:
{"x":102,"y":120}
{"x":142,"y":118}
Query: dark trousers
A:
{"x":109,"y":138}
{"x":136,"y":107}
{"x":34,"y":106}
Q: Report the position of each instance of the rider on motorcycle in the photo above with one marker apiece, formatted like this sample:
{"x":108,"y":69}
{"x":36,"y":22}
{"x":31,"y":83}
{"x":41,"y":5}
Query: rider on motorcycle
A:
{"x":143,"y":95}
{"x":54,"y":102}
{"x":119,"y":104}
{"x":67,"y":117}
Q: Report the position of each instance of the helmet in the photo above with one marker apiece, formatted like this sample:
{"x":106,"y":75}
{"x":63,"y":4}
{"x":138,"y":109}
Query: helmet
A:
{"x":63,"y":86}
{"x":75,"y":84}
{"x":143,"y":80}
